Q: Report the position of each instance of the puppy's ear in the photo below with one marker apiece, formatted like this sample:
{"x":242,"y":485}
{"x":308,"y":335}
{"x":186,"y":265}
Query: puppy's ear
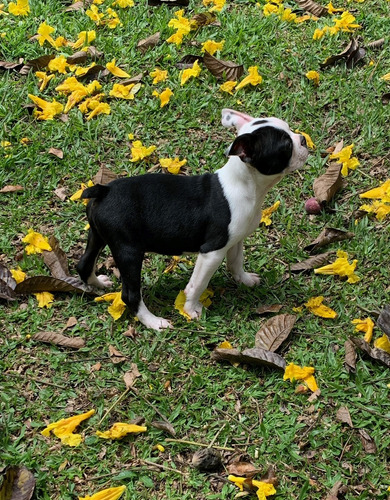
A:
{"x":231,"y":118}
{"x":243,"y":148}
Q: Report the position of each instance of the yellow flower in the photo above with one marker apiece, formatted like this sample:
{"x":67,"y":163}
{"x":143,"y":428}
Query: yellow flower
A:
{"x":377,"y":207}
{"x":159,"y":447}
{"x":176,"y":38}
{"x":318,"y":34}
{"x":123,"y":3}
{"x":44,"y":32}
{"x":211,"y":46}
{"x":344,"y":157}
{"x":58,"y":64}
{"x":340,"y":267}
{"x":295,"y":372}
{"x":94,"y":14}
{"x":366,"y":326}
{"x":382,"y":192}
{"x":383,"y":343}
{"x":314,"y":76}
{"x":386,"y":77}
{"x":18,"y":275}
{"x":5,"y":144}
{"x":175,"y":262}
{"x":316,"y":306}
{"x":119,"y":430}
{"x":117,"y":308}
{"x":181,"y":23}
{"x":2,"y":12}
{"x":190,"y":72}
{"x":270,"y":8}
{"x":253,"y":78}
{"x":82,"y":71}
{"x":122,"y":91}
{"x":263,"y":490}
{"x":205,"y":299}
{"x":84,"y":38}
{"x":288,"y":15}
{"x":70,"y":85}
{"x":218,"y":5}
{"x":112,"y":68}
{"x":100,"y":108}
{"x":44,"y":79}
{"x":90,"y":103}
{"x":108,"y":494}
{"x":333,"y":10}
{"x":225,"y":345}
{"x":64,"y":428}
{"x":164,"y":96}
{"x":309,"y":141}
{"x":77,"y":195}
{"x":20,"y":8}
{"x":60,"y":42}
{"x":173,"y":165}
{"x":139,"y":152}
{"x":113,"y":21}
{"x":228,"y":86}
{"x":345,"y":22}
{"x":36,"y":243}
{"x":45,"y":299}
{"x":266,"y":213}
{"x":158,"y":75}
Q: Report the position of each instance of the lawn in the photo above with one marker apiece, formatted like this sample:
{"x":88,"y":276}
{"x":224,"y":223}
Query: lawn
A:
{"x":249,"y":412}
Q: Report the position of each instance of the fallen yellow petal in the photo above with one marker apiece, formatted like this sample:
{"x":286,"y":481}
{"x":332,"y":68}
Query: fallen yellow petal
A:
{"x":295,"y":372}
{"x":18,"y":275}
{"x":383,"y":343}
{"x":112,"y":68}
{"x":117,"y":308}
{"x":316,"y":307}
{"x":205,"y":300}
{"x":36,"y":242}
{"x":366,"y":326}
{"x":108,"y":494}
{"x":340,"y":267}
{"x":45,"y":299}
{"x":266,"y":213}
{"x":64,"y":428}
{"x":119,"y":430}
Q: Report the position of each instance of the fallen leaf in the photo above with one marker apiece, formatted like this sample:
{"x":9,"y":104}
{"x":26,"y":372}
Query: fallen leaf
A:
{"x":207,"y":459}
{"x":226,"y":70}
{"x":328,"y":235}
{"x":56,"y":260}
{"x":56,"y":152}
{"x":312,"y":262}
{"x":314,"y":396}
{"x":72,"y":321}
{"x":95,"y":72}
{"x":131,"y":333}
{"x":94,"y":53}
{"x":8,"y":65}
{"x":204,"y":18}
{"x":383,"y":320}
{"x":36,"y":64}
{"x":96,"y":367}
{"x":58,"y":339}
{"x":367,"y":441}
{"x":17,"y":483}
{"x":104,"y":176}
{"x":6,"y":292}
{"x":11,"y":189}
{"x":48,"y":284}
{"x":242,"y":469}
{"x":312,"y":7}
{"x":78,"y":5}
{"x":328,"y":184}
{"x":373,"y":353}
{"x":61,"y":193}
{"x":115,"y":355}
{"x":268,"y":308}
{"x":164,"y":426}
{"x":131,"y":376}
{"x":274,"y":332}
{"x":344,"y":416}
{"x":255,"y":357}
{"x":352,"y":54}
{"x":148,"y":43}
{"x":133,"y":79}
{"x":188,"y":60}
{"x":350,"y":357}
{"x":78,"y":57}
{"x":376,"y":44}
{"x":6,"y":277}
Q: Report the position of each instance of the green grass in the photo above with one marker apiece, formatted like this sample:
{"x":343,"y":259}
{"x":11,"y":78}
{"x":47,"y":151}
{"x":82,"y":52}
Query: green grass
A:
{"x":250,"y":409}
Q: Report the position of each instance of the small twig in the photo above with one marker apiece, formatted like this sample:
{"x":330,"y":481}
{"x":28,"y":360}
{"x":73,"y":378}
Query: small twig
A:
{"x":38,"y":381}
{"x":216,"y":435}
{"x":194,"y":443}
{"x":122,"y":396}
{"x":85,"y":359}
{"x":165,"y":467}
{"x":345,"y":446}
{"x":151,"y":405}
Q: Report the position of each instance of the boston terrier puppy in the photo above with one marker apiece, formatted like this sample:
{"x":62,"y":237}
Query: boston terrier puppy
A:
{"x":210,"y":214}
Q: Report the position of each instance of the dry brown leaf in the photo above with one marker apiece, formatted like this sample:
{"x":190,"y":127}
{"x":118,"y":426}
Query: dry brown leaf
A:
{"x":56,"y":260}
{"x":6,"y":292}
{"x":115,"y":355}
{"x":133,"y":79}
{"x":72,"y":321}
{"x":344,"y":416}
{"x":104,"y":176}
{"x":77,"y":58}
{"x":61,"y":193}
{"x":17,"y":483}
{"x":78,"y":5}
{"x":329,"y":183}
{"x":350,"y":357}
{"x":254,"y":357}
{"x":131,"y":333}
{"x":6,"y":276}
{"x":352,"y":54}
{"x":11,"y":189}
{"x":312,"y":7}
{"x":376,"y":44}
{"x":367,"y":442}
{"x":95,"y":72}
{"x":188,"y":60}
{"x":225,"y":70}
{"x":207,"y":460}
{"x":385,"y":98}
{"x":242,"y":469}
{"x":96,"y":367}
{"x":8,"y":65}
{"x":274,"y":332}
{"x":314,"y":396}
{"x":58,"y":339}
{"x":164,"y":426}
{"x":36,"y":64}
{"x":268,"y":308}
{"x":148,"y":43}
{"x":328,"y":235}
{"x":131,"y":376}
{"x":373,"y":352}
{"x":383,"y":320}
{"x":204,"y":18}
{"x":312,"y":262}
{"x":49,"y":284}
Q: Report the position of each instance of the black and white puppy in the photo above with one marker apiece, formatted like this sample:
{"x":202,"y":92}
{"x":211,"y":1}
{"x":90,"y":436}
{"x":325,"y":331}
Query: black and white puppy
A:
{"x":211,"y":213}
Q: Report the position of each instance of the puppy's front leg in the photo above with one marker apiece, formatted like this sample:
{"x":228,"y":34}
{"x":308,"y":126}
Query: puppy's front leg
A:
{"x":205,"y":267}
{"x":235,"y":264}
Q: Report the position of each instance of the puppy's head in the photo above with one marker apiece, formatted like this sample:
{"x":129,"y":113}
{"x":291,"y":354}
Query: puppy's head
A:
{"x":267,"y":144}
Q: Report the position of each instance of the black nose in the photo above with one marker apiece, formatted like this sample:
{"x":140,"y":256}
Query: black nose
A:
{"x":303,"y":141}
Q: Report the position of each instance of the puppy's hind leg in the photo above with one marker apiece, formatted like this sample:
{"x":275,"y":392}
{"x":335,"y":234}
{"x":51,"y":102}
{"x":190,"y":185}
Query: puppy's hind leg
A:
{"x":87,"y":264}
{"x":235,"y":264}
{"x":129,"y":262}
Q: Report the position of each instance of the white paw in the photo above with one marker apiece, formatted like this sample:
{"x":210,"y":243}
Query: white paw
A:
{"x":194,"y":310}
{"x":248,"y":279}
{"x":104,"y":281}
{"x":157,"y":323}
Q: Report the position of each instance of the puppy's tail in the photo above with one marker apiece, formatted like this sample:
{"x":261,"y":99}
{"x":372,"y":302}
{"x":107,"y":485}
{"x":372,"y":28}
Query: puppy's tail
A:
{"x":98,"y":191}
